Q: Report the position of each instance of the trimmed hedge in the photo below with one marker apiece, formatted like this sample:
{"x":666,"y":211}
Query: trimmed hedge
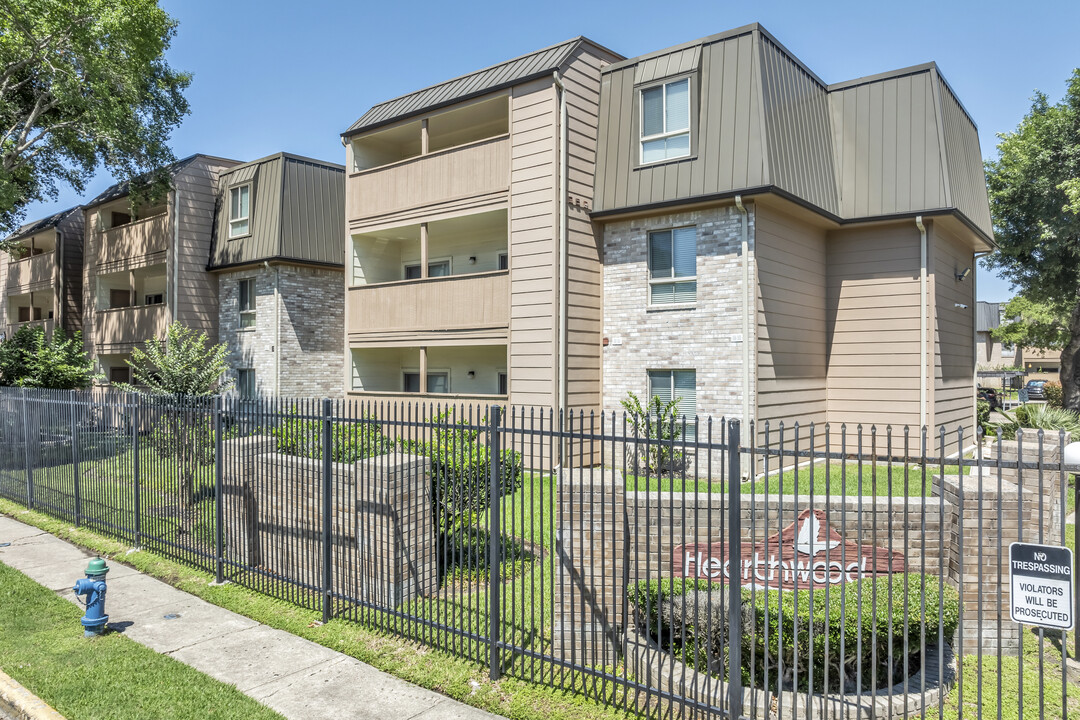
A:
{"x":870,"y":621}
{"x":349,"y":441}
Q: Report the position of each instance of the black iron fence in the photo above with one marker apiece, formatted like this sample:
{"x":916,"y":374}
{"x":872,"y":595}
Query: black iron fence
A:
{"x":697,"y":569}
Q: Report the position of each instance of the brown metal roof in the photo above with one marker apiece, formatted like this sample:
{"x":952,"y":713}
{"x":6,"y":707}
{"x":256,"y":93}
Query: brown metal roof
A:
{"x":505,"y":74}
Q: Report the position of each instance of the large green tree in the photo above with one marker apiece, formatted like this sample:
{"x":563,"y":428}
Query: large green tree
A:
{"x":84,"y":83}
{"x":1034,"y":187}
{"x":1034,"y":324}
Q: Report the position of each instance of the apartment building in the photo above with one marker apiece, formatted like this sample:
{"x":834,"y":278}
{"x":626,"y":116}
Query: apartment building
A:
{"x":473,"y":273}
{"x":278,"y":262}
{"x":776,"y":247}
{"x":146,"y":265}
{"x":991,"y":353}
{"x":41,"y":274}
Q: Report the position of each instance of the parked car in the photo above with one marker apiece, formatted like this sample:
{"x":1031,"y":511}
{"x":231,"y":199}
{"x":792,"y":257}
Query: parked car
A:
{"x":1035,"y":389}
{"x":990,"y":395}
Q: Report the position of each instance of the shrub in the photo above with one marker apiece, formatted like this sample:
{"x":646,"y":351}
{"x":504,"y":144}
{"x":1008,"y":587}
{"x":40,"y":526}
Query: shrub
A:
{"x":1054,"y":394}
{"x":460,"y":472}
{"x":982,"y":414}
{"x":656,"y":423}
{"x":688,"y":619}
{"x":1039,"y":417}
{"x":349,"y":441}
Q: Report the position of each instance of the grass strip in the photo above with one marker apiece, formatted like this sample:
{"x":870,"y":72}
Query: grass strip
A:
{"x":109,"y":677}
{"x":424,"y":666}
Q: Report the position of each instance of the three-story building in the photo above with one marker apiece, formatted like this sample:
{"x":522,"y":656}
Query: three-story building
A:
{"x":472,"y":270}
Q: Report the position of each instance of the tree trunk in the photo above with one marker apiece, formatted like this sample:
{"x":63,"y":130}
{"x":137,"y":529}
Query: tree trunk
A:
{"x":1070,"y":363}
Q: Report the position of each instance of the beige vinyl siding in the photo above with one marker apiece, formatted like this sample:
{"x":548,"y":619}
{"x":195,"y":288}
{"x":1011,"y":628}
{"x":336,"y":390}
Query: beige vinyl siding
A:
{"x":532,"y":243}
{"x":791,"y":319}
{"x":196,"y":289}
{"x":954,"y":379}
{"x":71,"y":271}
{"x":581,"y":78}
{"x":872,"y":325}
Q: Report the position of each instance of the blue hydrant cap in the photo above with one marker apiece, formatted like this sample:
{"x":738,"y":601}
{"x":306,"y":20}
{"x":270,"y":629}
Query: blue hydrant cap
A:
{"x":97,"y":566}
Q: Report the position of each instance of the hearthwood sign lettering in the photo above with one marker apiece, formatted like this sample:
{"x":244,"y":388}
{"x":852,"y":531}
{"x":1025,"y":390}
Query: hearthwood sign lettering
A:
{"x":808,"y":553}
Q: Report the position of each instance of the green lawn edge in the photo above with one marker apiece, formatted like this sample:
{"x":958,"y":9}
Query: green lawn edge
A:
{"x":427,"y":667}
{"x":110,"y":677}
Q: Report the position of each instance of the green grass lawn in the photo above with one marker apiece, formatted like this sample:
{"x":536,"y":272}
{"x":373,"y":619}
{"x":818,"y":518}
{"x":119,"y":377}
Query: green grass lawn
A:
{"x":833,"y":479}
{"x":110,"y":677}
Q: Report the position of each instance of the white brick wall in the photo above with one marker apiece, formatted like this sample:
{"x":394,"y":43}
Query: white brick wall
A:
{"x":311,"y":311}
{"x":703,"y":338}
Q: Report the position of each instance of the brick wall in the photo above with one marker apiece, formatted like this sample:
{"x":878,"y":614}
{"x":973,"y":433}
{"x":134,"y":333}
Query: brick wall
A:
{"x":311,"y":314}
{"x":704,"y":337}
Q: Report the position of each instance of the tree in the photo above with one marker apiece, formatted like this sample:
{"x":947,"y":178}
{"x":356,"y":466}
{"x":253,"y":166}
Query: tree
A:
{"x":1029,"y":323}
{"x":184,"y":370}
{"x":27,"y":359}
{"x":1034,"y":188}
{"x":184,"y":364}
{"x":84,"y":83}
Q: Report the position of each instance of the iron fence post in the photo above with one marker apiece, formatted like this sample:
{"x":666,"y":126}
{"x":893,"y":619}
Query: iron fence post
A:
{"x":26,"y":449}
{"x":73,"y":400}
{"x":219,"y":491}
{"x":135,"y":467}
{"x":1076,"y":563}
{"x":494,"y":542}
{"x":734,"y":558}
{"x":327,"y":469}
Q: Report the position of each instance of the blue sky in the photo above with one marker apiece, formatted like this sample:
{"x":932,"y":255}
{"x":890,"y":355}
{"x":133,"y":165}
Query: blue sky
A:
{"x":287,"y":75}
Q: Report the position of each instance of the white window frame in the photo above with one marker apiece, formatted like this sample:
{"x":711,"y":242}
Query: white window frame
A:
{"x":502,"y":377}
{"x":147,"y":297}
{"x":239,"y":219}
{"x":691,"y":425}
{"x":673,"y":279}
{"x":430,"y":372}
{"x":500,"y":260}
{"x":431,"y":261}
{"x":643,"y":138}
{"x":243,"y":314}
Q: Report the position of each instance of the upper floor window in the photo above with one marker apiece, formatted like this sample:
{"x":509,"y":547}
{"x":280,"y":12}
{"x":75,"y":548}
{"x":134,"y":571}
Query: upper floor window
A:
{"x":239,"y":210}
{"x":247,"y":303}
{"x":665,"y":121}
{"x":436,"y":268}
{"x":673,"y":266}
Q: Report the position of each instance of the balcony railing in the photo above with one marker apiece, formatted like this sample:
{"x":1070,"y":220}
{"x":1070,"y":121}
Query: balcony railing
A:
{"x":131,"y":325}
{"x":134,"y":240}
{"x":456,"y":302}
{"x":11,"y":328}
{"x":477,"y":169}
{"x":31,"y":272}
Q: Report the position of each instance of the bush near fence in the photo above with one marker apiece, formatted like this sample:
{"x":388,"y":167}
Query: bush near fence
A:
{"x":874,"y":621}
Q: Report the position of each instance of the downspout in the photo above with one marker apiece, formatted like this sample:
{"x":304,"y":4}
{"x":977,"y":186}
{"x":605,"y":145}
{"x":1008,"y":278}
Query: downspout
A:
{"x":746,"y":370}
{"x":561,"y":199}
{"x":923,"y":359}
{"x":277,"y":328}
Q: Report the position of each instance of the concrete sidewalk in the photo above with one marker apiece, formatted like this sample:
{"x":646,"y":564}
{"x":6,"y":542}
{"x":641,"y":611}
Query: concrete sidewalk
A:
{"x":294,"y":676}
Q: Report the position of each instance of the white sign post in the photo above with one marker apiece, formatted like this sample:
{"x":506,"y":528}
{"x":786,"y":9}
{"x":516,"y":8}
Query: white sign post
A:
{"x":1041,"y":580}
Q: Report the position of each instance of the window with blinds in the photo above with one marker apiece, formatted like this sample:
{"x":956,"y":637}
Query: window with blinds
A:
{"x":247,"y":303}
{"x":665,"y":121}
{"x":680,"y":385}
{"x":673,"y":266}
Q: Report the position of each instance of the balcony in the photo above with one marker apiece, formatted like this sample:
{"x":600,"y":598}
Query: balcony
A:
{"x":32,"y":273}
{"x":134,"y":240}
{"x":49,"y":325}
{"x":439,"y":310}
{"x":122,"y":328}
{"x":474,"y":171}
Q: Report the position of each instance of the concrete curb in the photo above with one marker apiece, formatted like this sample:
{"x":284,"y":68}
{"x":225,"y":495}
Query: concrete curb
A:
{"x":21,"y":704}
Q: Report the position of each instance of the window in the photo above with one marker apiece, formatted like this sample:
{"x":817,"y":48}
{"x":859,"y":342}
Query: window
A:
{"x":504,"y":261}
{"x":26,"y":314}
{"x":673,"y":266}
{"x":680,"y":385}
{"x":245,"y":383}
{"x":438,"y":268}
{"x":119,"y":218}
{"x":120,"y":374}
{"x":665,"y":121}
{"x":437,"y":382}
{"x":154,"y":299}
{"x":239,"y":210}
{"x":502,"y":383}
{"x":119,"y":298}
{"x":1008,"y":350}
{"x":247,"y":303}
